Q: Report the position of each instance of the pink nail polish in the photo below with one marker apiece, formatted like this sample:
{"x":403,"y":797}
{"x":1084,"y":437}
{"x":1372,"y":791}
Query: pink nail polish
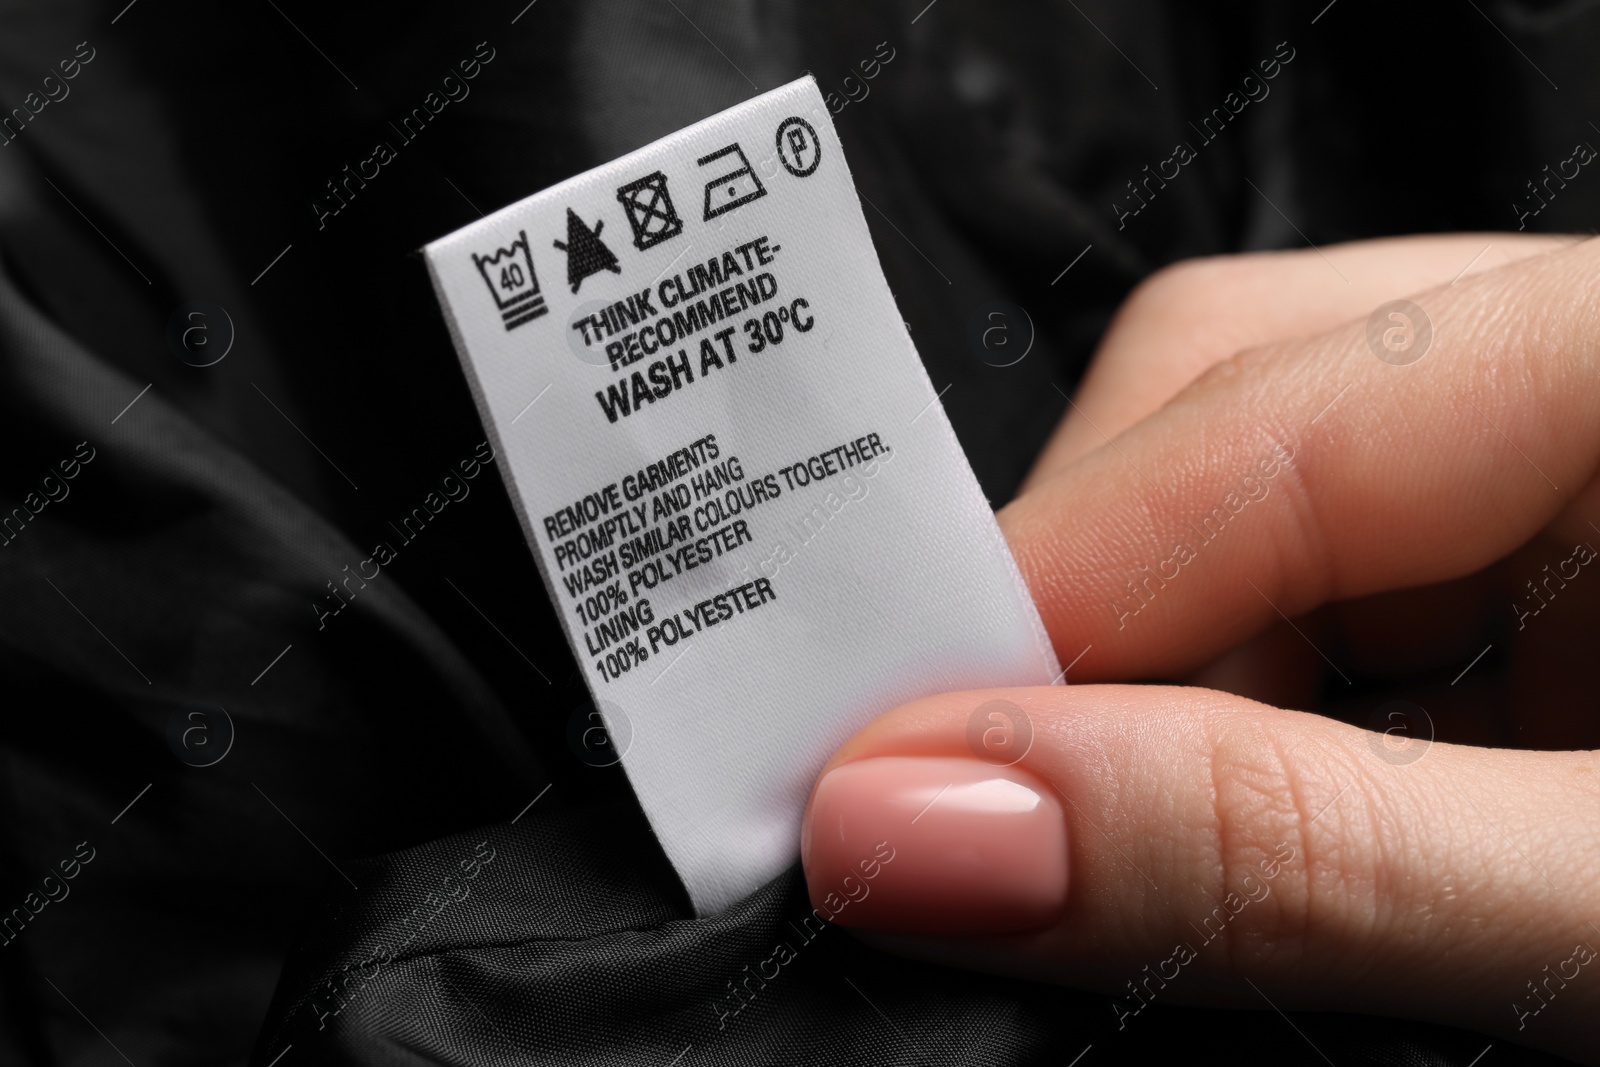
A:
{"x":935,"y":845}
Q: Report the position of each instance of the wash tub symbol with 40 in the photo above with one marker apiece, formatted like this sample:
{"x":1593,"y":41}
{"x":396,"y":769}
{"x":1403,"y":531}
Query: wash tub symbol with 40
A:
{"x":511,"y":281}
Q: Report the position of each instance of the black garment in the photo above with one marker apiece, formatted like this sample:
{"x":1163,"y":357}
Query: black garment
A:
{"x":565,"y":948}
{"x":196,"y":557}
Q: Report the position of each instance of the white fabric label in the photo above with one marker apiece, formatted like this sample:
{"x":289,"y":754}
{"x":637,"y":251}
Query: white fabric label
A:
{"x":745,"y":499}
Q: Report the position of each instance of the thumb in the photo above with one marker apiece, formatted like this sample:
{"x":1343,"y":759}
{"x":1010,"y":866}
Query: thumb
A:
{"x":1184,"y":845}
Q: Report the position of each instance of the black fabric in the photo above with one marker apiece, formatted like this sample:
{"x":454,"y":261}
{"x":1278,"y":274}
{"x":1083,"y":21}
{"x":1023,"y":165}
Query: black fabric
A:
{"x":443,"y":958}
{"x":193,"y":559}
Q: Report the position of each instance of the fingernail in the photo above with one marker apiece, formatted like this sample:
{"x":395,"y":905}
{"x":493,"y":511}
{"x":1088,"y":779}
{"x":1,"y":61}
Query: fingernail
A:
{"x":935,"y":845}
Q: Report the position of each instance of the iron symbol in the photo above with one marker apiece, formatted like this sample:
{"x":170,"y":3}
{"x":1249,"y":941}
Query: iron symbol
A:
{"x":733,"y":187}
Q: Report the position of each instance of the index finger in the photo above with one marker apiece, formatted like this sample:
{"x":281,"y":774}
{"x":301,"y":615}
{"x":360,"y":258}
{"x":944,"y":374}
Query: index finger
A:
{"x":1195,"y":313}
{"x":1308,"y":471}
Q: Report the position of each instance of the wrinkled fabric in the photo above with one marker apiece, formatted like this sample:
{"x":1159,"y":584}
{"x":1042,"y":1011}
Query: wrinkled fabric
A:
{"x":549,"y":941}
{"x":200,"y":558}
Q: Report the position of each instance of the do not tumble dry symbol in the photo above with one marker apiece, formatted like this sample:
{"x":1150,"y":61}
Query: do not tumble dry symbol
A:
{"x":732,"y":188}
{"x":649,"y":210}
{"x":586,"y":253}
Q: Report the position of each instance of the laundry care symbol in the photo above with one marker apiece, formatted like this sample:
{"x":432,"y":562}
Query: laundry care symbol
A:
{"x":731,"y":188}
{"x":799,"y":150}
{"x":586,"y":253}
{"x":650,"y":211}
{"x":511,"y":281}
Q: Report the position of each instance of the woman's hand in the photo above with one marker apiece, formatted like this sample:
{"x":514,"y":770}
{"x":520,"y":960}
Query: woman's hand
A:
{"x":1250,"y":495}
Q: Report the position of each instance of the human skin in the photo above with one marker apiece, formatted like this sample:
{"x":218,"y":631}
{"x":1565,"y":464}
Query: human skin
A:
{"x":1412,"y":516}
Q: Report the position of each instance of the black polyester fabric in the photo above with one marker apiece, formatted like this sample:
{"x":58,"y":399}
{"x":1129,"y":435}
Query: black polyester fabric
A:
{"x":227,"y":915}
{"x":551,"y":942}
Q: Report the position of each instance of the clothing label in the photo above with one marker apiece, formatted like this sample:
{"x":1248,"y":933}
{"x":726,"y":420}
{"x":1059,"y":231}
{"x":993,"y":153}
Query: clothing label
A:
{"x":744,"y":496}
